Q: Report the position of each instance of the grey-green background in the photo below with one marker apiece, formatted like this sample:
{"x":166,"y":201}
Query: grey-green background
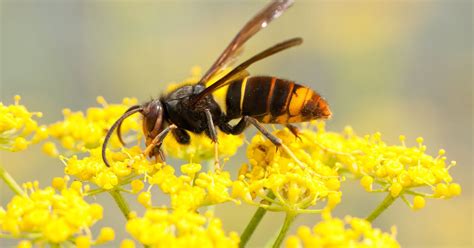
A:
{"x":398,"y":67}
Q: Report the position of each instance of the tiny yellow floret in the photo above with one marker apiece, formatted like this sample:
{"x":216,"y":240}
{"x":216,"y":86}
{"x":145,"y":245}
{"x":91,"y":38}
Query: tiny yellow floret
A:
{"x":83,"y":242}
{"x":418,"y":202}
{"x":454,"y":189}
{"x":106,"y":234}
{"x":395,"y":189}
{"x":144,"y":198}
{"x":24,"y":244}
{"x":127,"y":243}
{"x":58,"y":183}
{"x":49,"y":148}
{"x":367,"y":182}
{"x":137,"y":185}
{"x":333,"y":232}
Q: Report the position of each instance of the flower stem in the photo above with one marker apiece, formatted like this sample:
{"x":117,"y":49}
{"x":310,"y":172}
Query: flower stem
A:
{"x":381,"y":207}
{"x":11,"y":182}
{"x":289,"y":218}
{"x":253,"y":223}
{"x":122,"y":204}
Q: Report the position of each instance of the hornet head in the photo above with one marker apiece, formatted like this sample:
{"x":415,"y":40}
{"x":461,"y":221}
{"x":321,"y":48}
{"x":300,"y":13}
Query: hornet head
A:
{"x":152,"y":112}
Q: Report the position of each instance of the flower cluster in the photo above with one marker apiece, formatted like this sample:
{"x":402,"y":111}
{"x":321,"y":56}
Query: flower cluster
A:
{"x":302,"y":176}
{"x":125,"y":165}
{"x":55,"y":214}
{"x":295,"y":177}
{"x":18,"y":129}
{"x":201,"y":148}
{"x":397,"y":169}
{"x":333,"y":232}
{"x":160,"y":228}
{"x":191,"y":190}
{"x":81,"y":131}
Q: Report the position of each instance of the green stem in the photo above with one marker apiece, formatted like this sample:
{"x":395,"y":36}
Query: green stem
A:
{"x":289,"y":218}
{"x":381,"y":207}
{"x":11,"y":182}
{"x":253,"y":223}
{"x":122,"y":204}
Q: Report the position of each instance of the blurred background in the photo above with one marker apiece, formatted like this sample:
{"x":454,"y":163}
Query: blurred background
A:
{"x":398,"y":67}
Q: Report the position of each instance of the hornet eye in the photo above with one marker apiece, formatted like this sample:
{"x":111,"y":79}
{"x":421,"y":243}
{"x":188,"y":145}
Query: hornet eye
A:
{"x":152,"y":118}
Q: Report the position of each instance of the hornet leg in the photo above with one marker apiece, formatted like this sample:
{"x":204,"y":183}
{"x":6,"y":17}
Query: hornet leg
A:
{"x":294,"y":130}
{"x":212,"y":133}
{"x":234,"y":130}
{"x":158,"y":140}
{"x":275,"y":140}
{"x":181,"y":136}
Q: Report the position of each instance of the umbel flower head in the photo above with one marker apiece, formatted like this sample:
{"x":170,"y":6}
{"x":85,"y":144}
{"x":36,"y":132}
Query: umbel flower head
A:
{"x":334,"y":232}
{"x":18,"y":129}
{"x":397,"y":169}
{"x":126,"y":164}
{"x":201,"y":148}
{"x":80,"y":131}
{"x":55,"y":214}
{"x":297,"y":182}
{"x":193,"y":188}
{"x":181,"y":228}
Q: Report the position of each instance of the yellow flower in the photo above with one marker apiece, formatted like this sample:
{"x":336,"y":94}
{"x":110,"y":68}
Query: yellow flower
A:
{"x":160,"y":228}
{"x":81,"y":130}
{"x":126,"y":164}
{"x":194,"y":189}
{"x":127,"y":243}
{"x":55,"y":214}
{"x":83,"y":242}
{"x":144,"y":198}
{"x":201,"y":147}
{"x":418,"y":202}
{"x":24,"y":244}
{"x":137,"y":185}
{"x":106,"y":234}
{"x":397,"y":169}
{"x":296,"y":185}
{"x":18,"y":129}
{"x":333,"y":232}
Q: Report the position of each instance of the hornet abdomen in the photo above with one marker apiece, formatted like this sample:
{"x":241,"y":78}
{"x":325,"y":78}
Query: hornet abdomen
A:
{"x":272,"y":100}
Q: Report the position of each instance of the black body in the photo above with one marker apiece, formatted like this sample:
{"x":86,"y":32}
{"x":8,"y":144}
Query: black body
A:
{"x":179,"y":111}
